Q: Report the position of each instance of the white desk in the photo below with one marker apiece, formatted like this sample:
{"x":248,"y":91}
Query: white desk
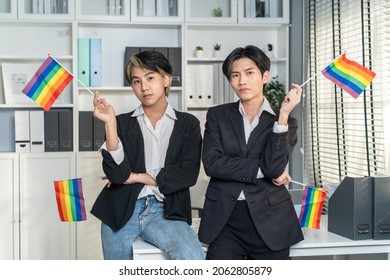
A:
{"x":321,"y":242}
{"x":318,"y":242}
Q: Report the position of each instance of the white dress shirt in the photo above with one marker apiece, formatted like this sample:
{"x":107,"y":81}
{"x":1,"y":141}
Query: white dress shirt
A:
{"x":156,"y":141}
{"x":249,"y":127}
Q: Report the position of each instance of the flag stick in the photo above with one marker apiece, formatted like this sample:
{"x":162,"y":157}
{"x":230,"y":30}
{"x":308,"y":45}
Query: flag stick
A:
{"x":320,"y":70}
{"x":90,"y":178}
{"x":298,"y":183}
{"x":72,"y":75}
{"x":310,"y":78}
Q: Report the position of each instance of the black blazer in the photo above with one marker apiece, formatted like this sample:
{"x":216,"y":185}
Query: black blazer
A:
{"x":115,"y":205}
{"x":233,"y":165}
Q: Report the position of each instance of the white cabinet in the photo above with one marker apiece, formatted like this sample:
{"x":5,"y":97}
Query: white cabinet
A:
{"x":230,"y":24}
{"x":264,"y":11}
{"x":103,"y":10}
{"x":218,"y":11}
{"x":8,"y":9}
{"x":157,"y":10}
{"x":241,"y":11}
{"x":205,"y":83}
{"x":88,"y":240}
{"x":42,"y":234}
{"x":9,"y":201}
{"x":22,"y":55}
{"x":46,"y":9}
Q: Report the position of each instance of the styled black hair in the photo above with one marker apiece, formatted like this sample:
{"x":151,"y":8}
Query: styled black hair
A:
{"x":150,"y":60}
{"x":252,"y":52}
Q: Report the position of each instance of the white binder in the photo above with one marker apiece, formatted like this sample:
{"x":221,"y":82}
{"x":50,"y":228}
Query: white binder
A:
{"x":37,"y":131}
{"x":22,"y":131}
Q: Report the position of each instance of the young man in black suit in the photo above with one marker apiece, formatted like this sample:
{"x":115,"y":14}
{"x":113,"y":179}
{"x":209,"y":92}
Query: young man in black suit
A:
{"x":151,"y":158}
{"x":248,"y":212}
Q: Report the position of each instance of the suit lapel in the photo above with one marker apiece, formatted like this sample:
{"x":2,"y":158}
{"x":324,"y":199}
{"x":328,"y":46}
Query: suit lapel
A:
{"x":175,"y":142}
{"x":132,"y":136}
{"x":238,"y":126}
{"x":266,"y":119}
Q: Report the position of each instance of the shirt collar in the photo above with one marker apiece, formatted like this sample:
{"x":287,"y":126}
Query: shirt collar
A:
{"x":169,"y":112}
{"x":265,"y":107}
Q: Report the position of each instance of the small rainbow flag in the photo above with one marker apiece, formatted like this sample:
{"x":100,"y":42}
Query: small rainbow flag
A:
{"x":349,"y":75}
{"x":70,"y":200}
{"x":47,"y":83}
{"x":312,"y":203}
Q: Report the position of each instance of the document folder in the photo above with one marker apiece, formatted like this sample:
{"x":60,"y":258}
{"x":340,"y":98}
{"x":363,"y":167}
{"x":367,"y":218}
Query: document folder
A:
{"x":381,"y":207}
{"x":37,"y":131}
{"x":350,"y":209}
{"x":51,"y":131}
{"x":85,"y":131}
{"x":96,"y":62}
{"x":98,"y":134}
{"x":84,"y":61}
{"x":65,"y":130}
{"x":22,"y":131}
{"x":174,"y":57}
{"x":129,"y":51}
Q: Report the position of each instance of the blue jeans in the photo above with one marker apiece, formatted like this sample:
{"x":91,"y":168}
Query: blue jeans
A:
{"x":174,"y":237}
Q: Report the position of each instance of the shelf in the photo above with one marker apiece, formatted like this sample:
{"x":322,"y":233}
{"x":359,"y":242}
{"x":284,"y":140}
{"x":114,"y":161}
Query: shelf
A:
{"x":35,"y":59}
{"x":32,"y":106}
{"x":119,"y":89}
{"x":204,"y":59}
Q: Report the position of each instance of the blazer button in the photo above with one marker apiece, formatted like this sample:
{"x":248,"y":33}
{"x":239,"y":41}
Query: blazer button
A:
{"x":233,"y":199}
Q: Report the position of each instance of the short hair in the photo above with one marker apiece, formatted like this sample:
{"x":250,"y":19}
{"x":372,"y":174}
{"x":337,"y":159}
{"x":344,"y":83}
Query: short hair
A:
{"x":252,"y":52}
{"x":150,"y":60}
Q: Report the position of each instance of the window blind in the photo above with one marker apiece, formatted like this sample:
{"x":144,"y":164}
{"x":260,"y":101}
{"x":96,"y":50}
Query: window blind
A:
{"x":344,"y":136}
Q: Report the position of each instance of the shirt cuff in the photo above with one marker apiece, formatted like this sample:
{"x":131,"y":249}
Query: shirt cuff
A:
{"x":118,"y":155}
{"x":260,"y":174}
{"x":278,"y":128}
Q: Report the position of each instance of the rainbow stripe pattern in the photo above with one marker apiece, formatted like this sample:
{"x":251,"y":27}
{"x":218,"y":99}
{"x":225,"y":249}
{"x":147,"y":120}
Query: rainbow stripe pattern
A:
{"x":47,"y":83}
{"x":70,"y":200}
{"x":312,"y":203}
{"x":349,"y":75}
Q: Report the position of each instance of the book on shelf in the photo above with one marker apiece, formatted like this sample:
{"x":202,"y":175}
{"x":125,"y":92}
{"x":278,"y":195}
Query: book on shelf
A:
{"x":49,"y":6}
{"x":37,"y":131}
{"x":22,"y":131}
{"x":90,"y":61}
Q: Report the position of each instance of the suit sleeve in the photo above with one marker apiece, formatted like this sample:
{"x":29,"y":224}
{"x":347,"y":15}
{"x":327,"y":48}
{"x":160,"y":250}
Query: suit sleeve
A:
{"x":278,"y":150}
{"x":220,"y":164}
{"x":182,"y":167}
{"x":116,"y":173}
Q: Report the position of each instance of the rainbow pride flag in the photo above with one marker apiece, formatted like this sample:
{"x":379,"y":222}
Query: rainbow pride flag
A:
{"x":47,"y":83}
{"x":312,"y":203}
{"x":349,"y":75}
{"x":70,"y":200}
